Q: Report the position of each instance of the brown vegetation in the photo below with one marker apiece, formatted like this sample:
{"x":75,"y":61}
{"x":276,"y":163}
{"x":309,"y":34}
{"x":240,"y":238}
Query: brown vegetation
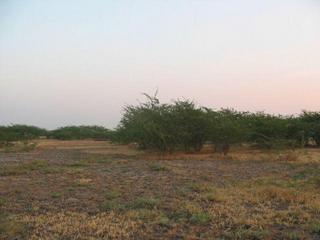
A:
{"x":97,"y":190}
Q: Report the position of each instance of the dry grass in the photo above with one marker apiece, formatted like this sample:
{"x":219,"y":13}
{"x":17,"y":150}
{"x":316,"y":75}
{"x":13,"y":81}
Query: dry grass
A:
{"x":96,"y":190}
{"x":71,"y":225}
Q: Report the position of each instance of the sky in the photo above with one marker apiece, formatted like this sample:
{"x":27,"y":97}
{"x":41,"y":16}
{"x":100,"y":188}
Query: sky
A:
{"x":80,"y":62}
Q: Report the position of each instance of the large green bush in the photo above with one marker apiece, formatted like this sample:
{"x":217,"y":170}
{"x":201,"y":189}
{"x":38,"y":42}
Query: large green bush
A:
{"x":164,"y":127}
{"x":147,"y":125}
{"x":188,"y":125}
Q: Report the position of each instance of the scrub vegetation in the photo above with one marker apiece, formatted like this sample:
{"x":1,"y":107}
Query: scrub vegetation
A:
{"x":168,"y":171}
{"x":182,"y":125}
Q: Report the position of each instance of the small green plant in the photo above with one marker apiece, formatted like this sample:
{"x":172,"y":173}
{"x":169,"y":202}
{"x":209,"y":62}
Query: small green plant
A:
{"x":179,"y":215}
{"x":293,"y":236}
{"x":315,"y":228}
{"x":78,"y":164}
{"x":56,"y":195}
{"x":143,"y":202}
{"x":158,"y":168}
{"x":200,"y":218}
{"x":2,"y":201}
{"x":110,"y":195}
{"x":112,"y":205}
{"x":163,"y":221}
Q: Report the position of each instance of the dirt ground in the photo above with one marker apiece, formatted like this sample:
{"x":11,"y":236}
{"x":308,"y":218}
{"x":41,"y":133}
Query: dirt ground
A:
{"x":97,"y":190}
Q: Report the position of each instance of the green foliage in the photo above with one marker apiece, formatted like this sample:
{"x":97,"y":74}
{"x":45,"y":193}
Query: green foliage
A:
{"x":188,"y":125}
{"x":311,"y":125}
{"x":164,"y":127}
{"x":20,"y":132}
{"x":158,"y":168}
{"x":112,"y":205}
{"x":315,"y":228}
{"x":268,"y":131}
{"x":145,"y":203}
{"x":24,"y":133}
{"x":200,"y":218}
{"x":181,"y":125}
{"x":80,"y":132}
{"x":147,"y":125}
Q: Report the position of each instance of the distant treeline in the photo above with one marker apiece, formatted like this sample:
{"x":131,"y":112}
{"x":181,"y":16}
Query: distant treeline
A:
{"x":182,"y":125}
{"x":24,"y":132}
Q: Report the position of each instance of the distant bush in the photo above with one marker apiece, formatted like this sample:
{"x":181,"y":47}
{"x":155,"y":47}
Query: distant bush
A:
{"x":20,"y":132}
{"x":24,"y":133}
{"x":80,"y":132}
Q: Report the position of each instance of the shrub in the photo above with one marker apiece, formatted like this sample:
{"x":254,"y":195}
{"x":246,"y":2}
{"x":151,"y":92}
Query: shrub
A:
{"x":225,"y":127}
{"x":164,"y":127}
{"x":311,"y":125}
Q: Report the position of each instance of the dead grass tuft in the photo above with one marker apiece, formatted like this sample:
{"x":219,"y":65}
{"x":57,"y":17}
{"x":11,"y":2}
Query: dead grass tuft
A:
{"x":71,"y":225}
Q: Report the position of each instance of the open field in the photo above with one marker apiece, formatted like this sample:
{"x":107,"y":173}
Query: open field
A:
{"x":97,"y":190}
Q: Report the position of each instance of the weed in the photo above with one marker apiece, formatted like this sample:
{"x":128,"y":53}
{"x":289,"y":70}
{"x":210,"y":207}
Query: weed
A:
{"x":293,"y":236}
{"x":103,"y":160}
{"x":315,"y":228}
{"x":163,"y":221}
{"x":179,"y":215}
{"x":112,"y":195}
{"x":2,"y":201}
{"x":56,"y":195}
{"x":200,"y":218}
{"x":143,"y":202}
{"x":213,"y":197}
{"x":158,"y":168}
{"x":193,"y":187}
{"x":112,"y":206}
{"x":79,"y":164}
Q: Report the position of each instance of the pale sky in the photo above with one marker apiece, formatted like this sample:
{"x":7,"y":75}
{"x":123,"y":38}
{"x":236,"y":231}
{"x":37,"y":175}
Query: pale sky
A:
{"x":79,"y":62}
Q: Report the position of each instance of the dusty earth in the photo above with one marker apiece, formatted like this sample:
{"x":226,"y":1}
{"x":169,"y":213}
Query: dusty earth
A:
{"x":97,"y":190}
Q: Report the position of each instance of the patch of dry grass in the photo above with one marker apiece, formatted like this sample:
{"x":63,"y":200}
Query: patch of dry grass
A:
{"x":118,"y":192}
{"x":73,"y":225}
{"x":23,"y":168}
